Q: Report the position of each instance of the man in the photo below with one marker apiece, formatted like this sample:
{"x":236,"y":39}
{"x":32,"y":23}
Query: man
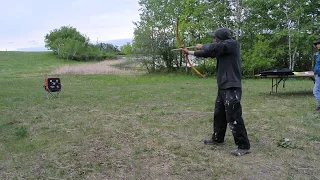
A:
{"x":227,"y":106}
{"x":316,"y":89}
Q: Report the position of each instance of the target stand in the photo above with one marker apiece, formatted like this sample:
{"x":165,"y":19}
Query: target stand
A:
{"x":52,"y":87}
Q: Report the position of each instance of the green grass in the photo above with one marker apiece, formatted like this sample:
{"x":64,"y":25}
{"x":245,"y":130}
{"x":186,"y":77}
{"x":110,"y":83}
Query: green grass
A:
{"x":147,"y":126}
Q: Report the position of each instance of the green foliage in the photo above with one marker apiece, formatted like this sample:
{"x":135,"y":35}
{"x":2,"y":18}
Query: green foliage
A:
{"x":127,"y":49}
{"x":21,"y":131}
{"x":272,"y":33}
{"x":208,"y":66}
{"x":65,"y":40}
{"x":288,"y":24}
{"x":68,"y":43}
{"x":57,"y":36}
{"x":107,"y":47}
{"x":258,"y":58}
{"x":287,"y":143}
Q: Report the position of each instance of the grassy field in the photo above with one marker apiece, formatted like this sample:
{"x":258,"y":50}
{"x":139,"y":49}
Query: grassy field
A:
{"x":147,"y":126}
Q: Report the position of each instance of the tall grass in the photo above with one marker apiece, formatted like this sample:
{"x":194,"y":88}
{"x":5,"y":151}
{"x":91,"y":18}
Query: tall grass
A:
{"x":146,"y":126}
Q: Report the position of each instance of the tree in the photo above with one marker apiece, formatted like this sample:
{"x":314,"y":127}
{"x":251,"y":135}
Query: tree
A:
{"x":155,"y":33}
{"x":272,"y":33}
{"x":68,"y":43}
{"x":107,"y":47}
{"x":259,"y":57}
{"x":66,"y":40}
{"x":288,"y":24}
{"x":127,"y":49}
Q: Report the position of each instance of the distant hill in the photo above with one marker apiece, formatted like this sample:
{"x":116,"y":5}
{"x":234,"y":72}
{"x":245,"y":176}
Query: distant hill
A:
{"x":33,"y":49}
{"x":119,"y":42}
{"x":116,"y":42}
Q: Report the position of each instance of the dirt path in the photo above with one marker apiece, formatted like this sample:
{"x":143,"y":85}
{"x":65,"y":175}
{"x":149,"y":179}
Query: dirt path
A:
{"x":104,"y":67}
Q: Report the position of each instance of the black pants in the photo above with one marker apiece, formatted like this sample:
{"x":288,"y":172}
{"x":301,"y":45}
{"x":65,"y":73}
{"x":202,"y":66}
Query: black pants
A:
{"x":228,"y":110}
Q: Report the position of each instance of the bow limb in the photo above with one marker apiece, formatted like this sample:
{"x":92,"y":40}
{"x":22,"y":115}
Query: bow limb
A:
{"x":186,"y":56}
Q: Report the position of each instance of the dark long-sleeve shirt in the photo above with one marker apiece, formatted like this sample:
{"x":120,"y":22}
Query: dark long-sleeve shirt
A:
{"x":227,"y":53}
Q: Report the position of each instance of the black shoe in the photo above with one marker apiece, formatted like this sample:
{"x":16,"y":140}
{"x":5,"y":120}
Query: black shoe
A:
{"x":211,"y":142}
{"x":240,"y":152}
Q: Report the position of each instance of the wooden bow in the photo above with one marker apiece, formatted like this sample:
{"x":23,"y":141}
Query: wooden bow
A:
{"x":186,"y":56}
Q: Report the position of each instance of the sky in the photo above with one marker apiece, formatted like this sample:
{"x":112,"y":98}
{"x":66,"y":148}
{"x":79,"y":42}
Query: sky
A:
{"x":24,"y":23}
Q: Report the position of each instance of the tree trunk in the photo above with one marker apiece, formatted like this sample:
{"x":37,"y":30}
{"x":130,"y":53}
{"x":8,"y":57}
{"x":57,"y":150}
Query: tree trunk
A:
{"x":238,"y":18}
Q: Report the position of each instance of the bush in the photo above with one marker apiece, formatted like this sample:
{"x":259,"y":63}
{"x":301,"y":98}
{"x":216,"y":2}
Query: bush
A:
{"x":68,"y":43}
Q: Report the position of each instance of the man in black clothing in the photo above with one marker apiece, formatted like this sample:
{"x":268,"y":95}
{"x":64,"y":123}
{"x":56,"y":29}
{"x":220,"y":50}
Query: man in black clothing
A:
{"x":227,"y":106}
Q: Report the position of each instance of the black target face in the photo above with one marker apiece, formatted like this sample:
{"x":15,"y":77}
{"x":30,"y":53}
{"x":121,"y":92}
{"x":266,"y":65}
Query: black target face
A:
{"x":53,"y":84}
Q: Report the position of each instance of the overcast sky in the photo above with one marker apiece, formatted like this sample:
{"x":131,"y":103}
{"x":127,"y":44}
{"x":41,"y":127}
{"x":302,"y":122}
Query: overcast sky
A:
{"x":24,"y":23}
